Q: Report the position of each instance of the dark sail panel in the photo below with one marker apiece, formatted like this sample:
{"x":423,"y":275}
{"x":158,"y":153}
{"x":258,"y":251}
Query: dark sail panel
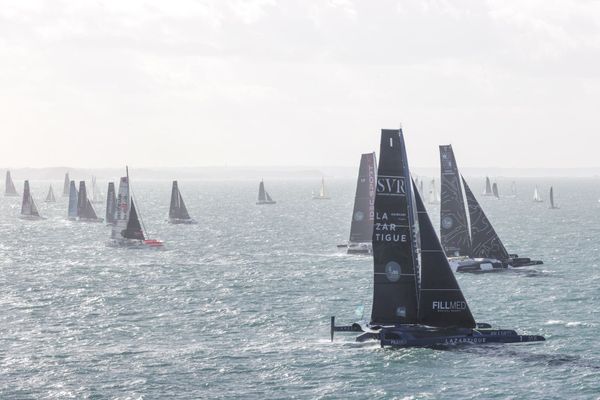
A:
{"x":9,"y":186}
{"x":85,"y":210}
{"x":134,"y":228}
{"x":66,"y":185}
{"x":488,"y":187}
{"x":26,"y":202}
{"x":486,"y":243}
{"x":261,"y":191}
{"x":111,"y":203}
{"x":177,"y":209}
{"x":454,"y":228}
{"x":269,"y":199}
{"x":73,"y":201}
{"x":394,"y":248}
{"x":441,"y":302}
{"x":495,"y":190}
{"x":361,"y":230}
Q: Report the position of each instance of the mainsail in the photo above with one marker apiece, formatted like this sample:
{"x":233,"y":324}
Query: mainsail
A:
{"x":177,"y":209}
{"x":395,"y":288}
{"x":9,"y":186}
{"x":111,"y":203}
{"x":28,"y":207}
{"x":536,"y":196}
{"x":50,"y":196}
{"x":361,"y":230}
{"x":134,"y":228}
{"x":495,"y":190}
{"x":66,"y":186}
{"x":73,"y":201}
{"x":441,"y":302}
{"x":485,"y":241}
{"x":488,"y":187}
{"x":261,"y":192}
{"x":454,"y":227}
{"x":127,"y":224}
{"x":322,"y":189}
{"x":96,"y":194}
{"x":552,"y":205}
{"x":85,"y":209}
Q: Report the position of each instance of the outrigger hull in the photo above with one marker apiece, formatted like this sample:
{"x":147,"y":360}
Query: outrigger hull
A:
{"x":485,"y":265}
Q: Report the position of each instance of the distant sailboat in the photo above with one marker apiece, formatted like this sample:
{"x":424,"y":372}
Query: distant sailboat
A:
{"x":495,"y":190}
{"x":536,"y":196}
{"x":552,"y":205}
{"x":29,"y":210}
{"x":96,"y":194}
{"x":9,"y":185}
{"x":434,"y":196}
{"x":178,"y":213}
{"x":73,"y":201}
{"x":50,"y":196}
{"x":111,"y":204}
{"x":128,"y":230}
{"x":361,"y":228}
{"x":513,"y":190}
{"x":66,"y":186}
{"x":263,"y":195}
{"x":488,"y":187}
{"x":85,"y":209}
{"x":417,"y":301}
{"x":322,"y":194}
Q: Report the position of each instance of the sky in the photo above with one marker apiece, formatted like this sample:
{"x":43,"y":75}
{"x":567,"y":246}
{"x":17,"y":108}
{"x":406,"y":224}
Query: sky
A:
{"x":298,"y":82}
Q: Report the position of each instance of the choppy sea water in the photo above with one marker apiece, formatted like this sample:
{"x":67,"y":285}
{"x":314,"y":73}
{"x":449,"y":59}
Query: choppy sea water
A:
{"x":238,"y":305}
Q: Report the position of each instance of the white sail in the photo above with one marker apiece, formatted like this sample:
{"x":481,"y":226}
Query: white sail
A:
{"x":536,"y":195}
{"x":123,"y":205}
{"x":322,"y":190}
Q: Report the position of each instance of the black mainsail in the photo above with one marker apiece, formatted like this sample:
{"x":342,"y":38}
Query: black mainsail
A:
{"x":361,"y":230}
{"x":395,"y":287}
{"x":9,"y":186}
{"x":50,"y":196}
{"x":552,"y":205}
{"x":488,"y":187}
{"x":111,"y":204}
{"x":134,"y":228}
{"x":85,"y":209}
{"x":441,"y":302}
{"x":263,"y":195}
{"x":28,"y":208}
{"x":454,"y":225}
{"x":485,"y":241}
{"x":73,"y":201}
{"x":177,"y":209}
{"x":66,"y":186}
{"x":495,"y":190}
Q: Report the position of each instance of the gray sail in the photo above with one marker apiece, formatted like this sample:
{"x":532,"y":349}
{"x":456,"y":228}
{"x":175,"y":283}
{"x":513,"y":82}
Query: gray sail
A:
{"x":395,"y":287}
{"x":111,"y":203}
{"x":485,"y":241}
{"x":177,"y":209}
{"x":261,"y":192}
{"x":28,"y":207}
{"x":85,"y":209}
{"x":495,"y":190}
{"x":268,"y":197}
{"x":361,"y":230}
{"x":454,"y":227}
{"x":441,"y":302}
{"x":552,"y":205}
{"x":66,"y":186}
{"x":134,"y":228}
{"x":9,"y":186}
{"x":73,"y":201}
{"x":488,"y":187}
{"x":50,"y":196}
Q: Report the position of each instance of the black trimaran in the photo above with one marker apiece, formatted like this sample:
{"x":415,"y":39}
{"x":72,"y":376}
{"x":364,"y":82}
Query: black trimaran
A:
{"x":361,"y":229}
{"x":414,"y":304}
{"x":470,"y":241}
{"x":178,"y":213}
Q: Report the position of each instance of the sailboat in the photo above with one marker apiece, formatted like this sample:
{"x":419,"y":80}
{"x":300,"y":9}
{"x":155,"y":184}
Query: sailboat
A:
{"x":434,"y":196}
{"x":9,"y":186}
{"x":66,"y":186}
{"x":536,"y":196}
{"x":495,"y":190}
{"x":488,"y":187}
{"x":513,"y":190}
{"x":361,"y":228}
{"x":415,"y":304}
{"x":178,"y":213}
{"x":96,"y":193}
{"x":111,"y":204}
{"x":50,"y":196}
{"x":552,"y":205}
{"x":29,"y":210}
{"x":263,"y":195}
{"x":85,"y":209}
{"x":470,"y":241}
{"x":322,"y":194}
{"x":73,"y":202}
{"x":128,"y":230}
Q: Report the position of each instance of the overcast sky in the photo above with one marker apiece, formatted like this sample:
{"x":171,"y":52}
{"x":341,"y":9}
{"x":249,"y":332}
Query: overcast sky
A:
{"x":298,"y":82}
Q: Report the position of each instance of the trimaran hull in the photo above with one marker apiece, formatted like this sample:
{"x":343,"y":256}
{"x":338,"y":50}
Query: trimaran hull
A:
{"x":357,"y":248}
{"x":485,"y":265}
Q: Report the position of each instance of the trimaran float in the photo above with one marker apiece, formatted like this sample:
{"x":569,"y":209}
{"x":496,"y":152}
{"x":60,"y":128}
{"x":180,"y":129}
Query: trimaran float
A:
{"x":416,"y":303}
{"x":470,"y":241}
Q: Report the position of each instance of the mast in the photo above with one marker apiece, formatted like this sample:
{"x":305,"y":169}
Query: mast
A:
{"x":441,"y":302}
{"x":361,"y":229}
{"x":395,"y":286}
{"x":485,"y":241}
{"x":66,"y":186}
{"x":454,"y":227}
{"x":73,"y":201}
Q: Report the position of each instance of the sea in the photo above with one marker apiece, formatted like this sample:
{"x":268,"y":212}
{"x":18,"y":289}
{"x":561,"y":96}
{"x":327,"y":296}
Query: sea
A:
{"x":238,"y":306}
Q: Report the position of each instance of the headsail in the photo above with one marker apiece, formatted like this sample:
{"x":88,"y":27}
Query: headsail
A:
{"x":395,"y":288}
{"x":9,"y":185}
{"x":28,"y":207}
{"x":268,"y":196}
{"x":177,"y":209}
{"x":111,"y":203}
{"x":85,"y":209}
{"x":50,"y":196}
{"x":73,"y":201}
{"x":536,"y":196}
{"x":454,"y":227}
{"x":495,"y":190}
{"x":361,"y":230}
{"x":485,"y":241}
{"x":66,"y":186}
{"x":441,"y":302}
{"x":488,"y":187}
